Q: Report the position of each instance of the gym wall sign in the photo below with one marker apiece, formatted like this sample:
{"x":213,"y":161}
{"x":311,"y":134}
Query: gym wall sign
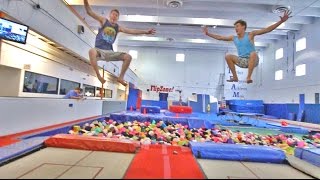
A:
{"x":161,"y":89}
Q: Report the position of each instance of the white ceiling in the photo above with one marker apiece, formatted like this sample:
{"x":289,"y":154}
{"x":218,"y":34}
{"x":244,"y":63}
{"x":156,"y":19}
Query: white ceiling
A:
{"x":181,"y":27}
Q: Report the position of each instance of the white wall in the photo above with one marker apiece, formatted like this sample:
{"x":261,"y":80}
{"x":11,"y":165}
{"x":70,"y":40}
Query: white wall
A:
{"x":157,"y":66}
{"x":48,"y":61}
{"x":56,"y":22}
{"x":23,"y":114}
{"x":10,"y":80}
{"x":62,"y":28}
{"x":288,"y":89}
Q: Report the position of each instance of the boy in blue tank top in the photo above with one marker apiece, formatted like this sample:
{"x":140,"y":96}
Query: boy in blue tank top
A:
{"x":107,"y":35}
{"x":244,"y":42}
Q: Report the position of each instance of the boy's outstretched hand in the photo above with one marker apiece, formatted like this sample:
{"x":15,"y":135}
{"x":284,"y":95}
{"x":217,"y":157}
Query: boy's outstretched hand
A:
{"x":205,"y":30}
{"x":286,"y":16}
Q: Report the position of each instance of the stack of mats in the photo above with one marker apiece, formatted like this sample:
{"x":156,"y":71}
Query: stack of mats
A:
{"x":311,"y":155}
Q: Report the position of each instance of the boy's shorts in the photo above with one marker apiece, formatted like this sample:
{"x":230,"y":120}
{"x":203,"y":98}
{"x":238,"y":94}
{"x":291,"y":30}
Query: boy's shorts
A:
{"x":108,"y":55}
{"x":244,"y":62}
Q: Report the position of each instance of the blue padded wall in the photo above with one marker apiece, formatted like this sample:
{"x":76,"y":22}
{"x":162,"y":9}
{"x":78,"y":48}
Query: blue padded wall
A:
{"x":197,"y":106}
{"x":311,"y":114}
{"x":132,"y":98}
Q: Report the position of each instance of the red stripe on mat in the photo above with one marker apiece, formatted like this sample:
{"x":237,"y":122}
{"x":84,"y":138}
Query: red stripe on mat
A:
{"x":13,"y":138}
{"x":7,"y":141}
{"x":159,"y":162}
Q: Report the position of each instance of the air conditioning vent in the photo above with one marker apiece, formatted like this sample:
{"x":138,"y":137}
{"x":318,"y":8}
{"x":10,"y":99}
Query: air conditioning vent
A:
{"x":280,"y":9}
{"x":174,"y":3}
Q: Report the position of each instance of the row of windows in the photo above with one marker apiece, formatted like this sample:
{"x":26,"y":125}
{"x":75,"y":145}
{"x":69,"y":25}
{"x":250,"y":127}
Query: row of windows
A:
{"x":301,"y":44}
{"x":38,"y":83}
{"x":300,"y":71}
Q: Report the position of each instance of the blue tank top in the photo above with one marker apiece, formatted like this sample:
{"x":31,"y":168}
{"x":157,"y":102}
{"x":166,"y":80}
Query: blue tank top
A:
{"x":107,"y":34}
{"x":244,"y":46}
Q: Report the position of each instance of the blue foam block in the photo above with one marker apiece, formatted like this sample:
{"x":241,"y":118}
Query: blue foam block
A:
{"x":161,"y":104}
{"x":236,"y":152}
{"x":150,"y":109}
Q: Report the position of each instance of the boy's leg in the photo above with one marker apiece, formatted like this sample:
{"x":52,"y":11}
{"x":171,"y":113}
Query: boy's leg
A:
{"x":232,"y":60}
{"x":126,"y":58}
{"x":93,"y":60}
{"x":118,"y":56}
{"x":251,"y":65}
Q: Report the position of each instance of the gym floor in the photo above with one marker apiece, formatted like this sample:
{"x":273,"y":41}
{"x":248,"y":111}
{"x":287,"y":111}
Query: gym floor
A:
{"x":56,"y":163}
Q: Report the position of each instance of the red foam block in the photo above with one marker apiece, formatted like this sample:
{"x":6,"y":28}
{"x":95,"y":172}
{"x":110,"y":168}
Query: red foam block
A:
{"x":92,"y":143}
{"x":180,"y":109}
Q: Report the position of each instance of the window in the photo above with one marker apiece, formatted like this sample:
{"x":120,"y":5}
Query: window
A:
{"x":38,"y":83}
{"x":279,"y":53}
{"x":301,"y":44}
{"x":88,"y":90}
{"x":66,"y":86}
{"x":279,"y":75}
{"x":107,"y":93}
{"x":180,"y":57}
{"x":134,"y":54}
{"x":301,"y":70}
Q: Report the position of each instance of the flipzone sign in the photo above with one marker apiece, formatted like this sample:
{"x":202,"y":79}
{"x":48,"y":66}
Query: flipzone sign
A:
{"x":161,"y":89}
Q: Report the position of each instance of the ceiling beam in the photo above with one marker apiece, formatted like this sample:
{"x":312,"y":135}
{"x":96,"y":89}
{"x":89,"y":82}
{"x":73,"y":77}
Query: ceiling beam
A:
{"x":220,"y":14}
{"x":153,"y":3}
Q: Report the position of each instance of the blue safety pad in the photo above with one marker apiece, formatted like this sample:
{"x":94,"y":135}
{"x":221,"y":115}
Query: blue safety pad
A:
{"x":237,"y":152}
{"x":161,"y":104}
{"x":150,"y":109}
{"x":310,"y":155}
{"x":17,"y":149}
{"x":247,"y":109}
{"x":289,"y":128}
{"x":192,"y":122}
{"x":245,"y":102}
{"x":168,"y":113}
{"x":246,"y":106}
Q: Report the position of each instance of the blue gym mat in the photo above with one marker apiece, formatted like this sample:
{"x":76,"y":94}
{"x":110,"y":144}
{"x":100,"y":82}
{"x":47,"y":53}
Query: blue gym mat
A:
{"x":14,"y":150}
{"x":311,"y":155}
{"x":237,"y":152}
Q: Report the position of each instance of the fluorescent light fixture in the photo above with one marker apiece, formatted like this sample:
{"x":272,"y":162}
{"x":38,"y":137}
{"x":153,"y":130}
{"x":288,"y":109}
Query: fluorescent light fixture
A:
{"x":180,"y":57}
{"x":139,"y":18}
{"x":134,"y":54}
{"x":206,"y":21}
{"x":200,"y":41}
{"x":145,"y":38}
